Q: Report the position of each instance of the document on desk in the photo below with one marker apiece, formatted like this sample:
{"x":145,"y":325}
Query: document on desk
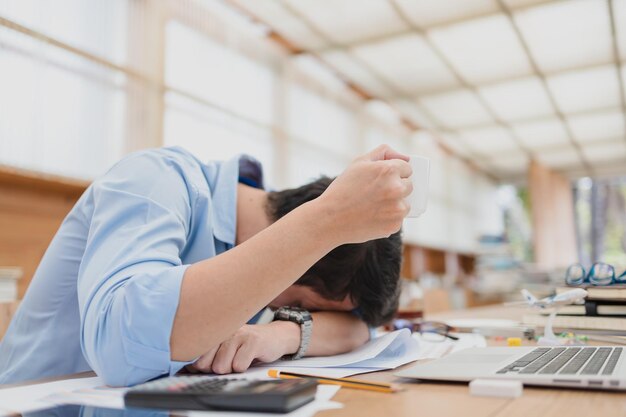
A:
{"x":438,"y":349}
{"x":34,"y":397}
{"x":385,"y":352}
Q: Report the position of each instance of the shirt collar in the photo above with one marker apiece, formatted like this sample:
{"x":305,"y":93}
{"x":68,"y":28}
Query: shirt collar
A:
{"x":224,"y":194}
{"x":224,"y":198}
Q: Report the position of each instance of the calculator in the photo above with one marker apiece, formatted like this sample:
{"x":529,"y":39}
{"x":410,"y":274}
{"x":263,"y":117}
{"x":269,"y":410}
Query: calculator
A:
{"x":214,"y":393}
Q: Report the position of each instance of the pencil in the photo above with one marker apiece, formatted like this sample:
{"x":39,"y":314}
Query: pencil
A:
{"x":344,"y":382}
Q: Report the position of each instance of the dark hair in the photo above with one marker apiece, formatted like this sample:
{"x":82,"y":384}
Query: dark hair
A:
{"x":368,"y":273}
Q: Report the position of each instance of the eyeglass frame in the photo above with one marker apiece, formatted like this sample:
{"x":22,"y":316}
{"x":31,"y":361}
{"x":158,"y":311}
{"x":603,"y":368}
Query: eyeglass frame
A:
{"x":588,"y":277}
{"x":417,"y":327}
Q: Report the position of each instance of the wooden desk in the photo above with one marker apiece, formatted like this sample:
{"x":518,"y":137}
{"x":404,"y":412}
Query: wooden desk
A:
{"x":422,"y":399}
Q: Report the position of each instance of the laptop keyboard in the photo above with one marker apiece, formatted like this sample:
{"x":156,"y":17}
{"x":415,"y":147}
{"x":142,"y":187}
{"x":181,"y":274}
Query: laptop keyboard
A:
{"x":566,"y":361}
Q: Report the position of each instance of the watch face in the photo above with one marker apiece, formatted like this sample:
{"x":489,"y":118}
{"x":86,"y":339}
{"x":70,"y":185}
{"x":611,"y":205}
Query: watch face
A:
{"x":295,"y":314}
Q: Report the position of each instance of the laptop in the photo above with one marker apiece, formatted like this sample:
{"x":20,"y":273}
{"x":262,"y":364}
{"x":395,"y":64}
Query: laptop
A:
{"x":598,"y":367}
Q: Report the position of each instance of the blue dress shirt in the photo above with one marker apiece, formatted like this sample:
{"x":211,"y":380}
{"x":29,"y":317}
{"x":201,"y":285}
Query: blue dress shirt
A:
{"x":107,"y":289}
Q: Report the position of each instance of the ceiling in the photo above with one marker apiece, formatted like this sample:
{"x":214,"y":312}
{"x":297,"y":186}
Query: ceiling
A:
{"x":500,"y":82}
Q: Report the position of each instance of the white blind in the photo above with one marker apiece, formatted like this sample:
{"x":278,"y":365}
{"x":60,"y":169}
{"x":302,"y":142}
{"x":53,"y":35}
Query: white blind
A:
{"x":59,"y":112}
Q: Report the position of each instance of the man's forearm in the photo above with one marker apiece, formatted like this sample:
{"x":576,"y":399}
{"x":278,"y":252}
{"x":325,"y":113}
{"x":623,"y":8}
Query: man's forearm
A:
{"x":336,"y":332}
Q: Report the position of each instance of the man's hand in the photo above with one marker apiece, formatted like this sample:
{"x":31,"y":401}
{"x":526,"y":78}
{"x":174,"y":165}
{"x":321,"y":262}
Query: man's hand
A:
{"x":261,"y":342}
{"x":367,"y":200}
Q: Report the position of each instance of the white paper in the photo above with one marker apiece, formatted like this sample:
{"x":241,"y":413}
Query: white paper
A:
{"x":97,"y":397}
{"x":31,"y":397}
{"x":435,"y":350}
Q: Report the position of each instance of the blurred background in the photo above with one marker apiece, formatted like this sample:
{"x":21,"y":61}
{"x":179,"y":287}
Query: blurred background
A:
{"x":520,"y":104}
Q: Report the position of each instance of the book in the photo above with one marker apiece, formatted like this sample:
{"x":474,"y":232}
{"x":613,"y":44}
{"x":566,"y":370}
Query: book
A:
{"x":8,"y":283}
{"x":577,"y":322}
{"x":8,"y":273}
{"x":597,"y":292}
{"x":591,"y":308}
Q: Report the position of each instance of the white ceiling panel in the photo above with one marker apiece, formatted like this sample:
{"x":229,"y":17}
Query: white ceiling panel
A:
{"x":283,"y":22}
{"x":489,"y":140}
{"x":409,"y":64}
{"x":619,"y":9}
{"x":456,"y":109}
{"x":354,"y":72}
{"x":518,"y":100}
{"x":509,"y":164}
{"x":470,"y":47}
{"x":567,"y":34}
{"x":541,"y":134}
{"x":597,"y":126}
{"x":592,"y":89}
{"x":347,"y":21}
{"x":565,"y":157}
{"x":425,"y":13}
{"x":607,"y":151}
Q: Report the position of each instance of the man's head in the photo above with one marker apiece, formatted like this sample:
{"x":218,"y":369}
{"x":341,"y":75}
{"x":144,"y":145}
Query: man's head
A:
{"x":364,"y":275}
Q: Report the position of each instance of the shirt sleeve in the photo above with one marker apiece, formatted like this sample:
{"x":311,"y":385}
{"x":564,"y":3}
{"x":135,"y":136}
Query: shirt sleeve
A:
{"x":130,"y":277}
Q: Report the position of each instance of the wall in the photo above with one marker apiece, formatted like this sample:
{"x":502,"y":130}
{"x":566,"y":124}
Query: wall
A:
{"x":31,"y":210}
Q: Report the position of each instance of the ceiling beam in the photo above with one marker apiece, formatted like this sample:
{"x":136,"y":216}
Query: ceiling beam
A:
{"x":616,"y":60}
{"x":542,"y":77}
{"x":389,"y":36}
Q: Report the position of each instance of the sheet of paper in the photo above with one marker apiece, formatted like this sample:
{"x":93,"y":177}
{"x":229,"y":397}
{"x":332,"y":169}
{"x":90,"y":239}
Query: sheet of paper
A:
{"x":31,"y":397}
{"x":434,"y":350}
{"x":469,"y":340}
{"x":97,"y":397}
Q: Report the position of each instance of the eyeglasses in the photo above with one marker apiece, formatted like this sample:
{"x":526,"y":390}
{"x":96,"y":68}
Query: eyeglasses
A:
{"x":431,"y":331}
{"x":599,"y":274}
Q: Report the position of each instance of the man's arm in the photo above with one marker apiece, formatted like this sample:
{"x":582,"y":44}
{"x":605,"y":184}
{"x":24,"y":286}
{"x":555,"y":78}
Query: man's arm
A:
{"x":336,"y":332}
{"x":220,"y":294}
{"x":333,"y":333}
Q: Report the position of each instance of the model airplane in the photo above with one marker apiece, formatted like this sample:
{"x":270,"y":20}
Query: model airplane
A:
{"x":568,"y":297}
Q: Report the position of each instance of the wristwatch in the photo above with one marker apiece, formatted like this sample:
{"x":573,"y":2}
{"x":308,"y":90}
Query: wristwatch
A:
{"x":304,"y":319}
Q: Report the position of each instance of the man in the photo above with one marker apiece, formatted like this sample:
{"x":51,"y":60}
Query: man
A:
{"x":164,"y":259}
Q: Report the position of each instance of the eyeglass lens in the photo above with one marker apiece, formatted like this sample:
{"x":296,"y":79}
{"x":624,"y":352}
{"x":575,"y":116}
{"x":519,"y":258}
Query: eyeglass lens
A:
{"x":602,"y":273}
{"x":575,"y":274}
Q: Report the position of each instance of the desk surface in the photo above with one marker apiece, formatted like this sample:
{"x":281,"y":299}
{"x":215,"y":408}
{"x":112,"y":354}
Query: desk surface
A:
{"x":420,"y":399}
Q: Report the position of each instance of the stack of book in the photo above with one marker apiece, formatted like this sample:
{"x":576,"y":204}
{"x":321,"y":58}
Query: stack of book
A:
{"x":604,"y":309}
{"x":8,"y":283}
